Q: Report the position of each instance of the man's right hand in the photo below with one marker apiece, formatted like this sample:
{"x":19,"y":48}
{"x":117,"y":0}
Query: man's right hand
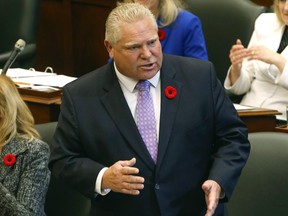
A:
{"x":122,"y":177}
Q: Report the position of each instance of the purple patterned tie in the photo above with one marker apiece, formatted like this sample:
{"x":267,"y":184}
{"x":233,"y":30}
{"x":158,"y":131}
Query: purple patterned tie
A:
{"x":145,"y":116}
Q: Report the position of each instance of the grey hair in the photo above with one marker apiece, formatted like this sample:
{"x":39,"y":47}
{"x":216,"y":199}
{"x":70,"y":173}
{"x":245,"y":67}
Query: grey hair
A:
{"x":125,"y":13}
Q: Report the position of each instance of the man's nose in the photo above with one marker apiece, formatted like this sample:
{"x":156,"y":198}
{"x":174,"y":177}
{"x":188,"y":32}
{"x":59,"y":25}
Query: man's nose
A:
{"x":145,"y":52}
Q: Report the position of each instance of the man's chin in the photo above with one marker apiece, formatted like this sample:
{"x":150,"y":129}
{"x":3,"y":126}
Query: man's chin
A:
{"x":147,"y":74}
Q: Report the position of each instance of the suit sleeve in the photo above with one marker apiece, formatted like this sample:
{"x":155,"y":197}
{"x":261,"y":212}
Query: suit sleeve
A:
{"x":68,"y":159}
{"x":232,"y":147}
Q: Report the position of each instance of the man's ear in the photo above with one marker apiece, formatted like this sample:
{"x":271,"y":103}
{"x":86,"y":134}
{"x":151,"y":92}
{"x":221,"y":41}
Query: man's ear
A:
{"x":109,"y":48}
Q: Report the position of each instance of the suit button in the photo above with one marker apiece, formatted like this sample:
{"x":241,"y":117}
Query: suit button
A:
{"x":157,"y":186}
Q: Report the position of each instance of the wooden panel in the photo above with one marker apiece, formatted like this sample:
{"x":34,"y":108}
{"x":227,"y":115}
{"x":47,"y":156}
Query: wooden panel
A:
{"x":54,"y":42}
{"x":266,"y":3}
{"x":44,"y":105}
{"x":44,"y":113}
{"x":259,"y":119}
{"x":88,"y":21}
{"x":70,"y":35}
{"x":283,"y":129}
{"x":259,"y":123}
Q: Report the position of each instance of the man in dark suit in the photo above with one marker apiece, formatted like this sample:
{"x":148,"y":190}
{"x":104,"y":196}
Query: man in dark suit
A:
{"x":202,"y":144}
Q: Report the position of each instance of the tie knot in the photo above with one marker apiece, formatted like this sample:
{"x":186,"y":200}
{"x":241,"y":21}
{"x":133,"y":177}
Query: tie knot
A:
{"x":143,"y":85}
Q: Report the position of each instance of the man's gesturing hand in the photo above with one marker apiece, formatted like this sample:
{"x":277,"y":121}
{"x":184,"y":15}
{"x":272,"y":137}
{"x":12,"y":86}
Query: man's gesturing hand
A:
{"x":212,"y":194}
{"x":121,"y":177}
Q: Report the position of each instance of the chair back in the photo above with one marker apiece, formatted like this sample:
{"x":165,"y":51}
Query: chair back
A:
{"x":61,"y":200}
{"x":262,"y":188}
{"x":223,"y":22}
{"x":18,"y":20}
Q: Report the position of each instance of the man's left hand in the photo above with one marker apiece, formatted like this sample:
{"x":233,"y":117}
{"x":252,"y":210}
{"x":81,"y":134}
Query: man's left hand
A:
{"x":212,"y":194}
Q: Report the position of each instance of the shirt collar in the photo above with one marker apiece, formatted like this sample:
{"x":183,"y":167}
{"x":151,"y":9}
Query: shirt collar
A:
{"x":130,"y":83}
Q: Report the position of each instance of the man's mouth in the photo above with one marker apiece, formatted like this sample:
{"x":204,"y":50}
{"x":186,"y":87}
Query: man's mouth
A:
{"x":148,"y":66}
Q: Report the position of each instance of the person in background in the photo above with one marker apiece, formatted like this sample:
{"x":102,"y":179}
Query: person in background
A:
{"x":261,"y":70}
{"x":24,"y":173}
{"x":181,"y":155}
{"x":180,"y":32}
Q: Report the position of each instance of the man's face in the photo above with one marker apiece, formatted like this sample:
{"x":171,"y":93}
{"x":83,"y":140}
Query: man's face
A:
{"x":138,"y":53}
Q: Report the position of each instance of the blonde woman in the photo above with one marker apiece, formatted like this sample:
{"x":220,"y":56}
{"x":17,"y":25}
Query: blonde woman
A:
{"x":180,"y":32}
{"x":24,"y":174}
{"x":261,"y":70}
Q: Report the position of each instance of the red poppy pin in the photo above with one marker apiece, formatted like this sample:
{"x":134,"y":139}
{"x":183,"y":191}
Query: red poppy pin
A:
{"x":170,"y":92}
{"x":161,"y":34}
{"x":9,"y":159}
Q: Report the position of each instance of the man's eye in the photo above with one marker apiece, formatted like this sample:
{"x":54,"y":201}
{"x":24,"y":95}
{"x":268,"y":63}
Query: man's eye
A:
{"x":151,"y":43}
{"x":133,"y":48}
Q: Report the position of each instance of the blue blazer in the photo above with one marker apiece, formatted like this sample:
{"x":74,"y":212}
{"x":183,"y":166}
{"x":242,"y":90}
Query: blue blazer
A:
{"x":201,"y":137}
{"x":184,"y":37}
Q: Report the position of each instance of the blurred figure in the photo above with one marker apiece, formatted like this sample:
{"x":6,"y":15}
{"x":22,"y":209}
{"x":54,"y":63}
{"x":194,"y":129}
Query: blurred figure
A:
{"x":181,"y":155}
{"x":261,"y":70}
{"x":24,"y":173}
{"x":180,"y":32}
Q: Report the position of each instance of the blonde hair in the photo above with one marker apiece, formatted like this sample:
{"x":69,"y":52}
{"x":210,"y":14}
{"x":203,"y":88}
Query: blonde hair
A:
{"x":168,"y":10}
{"x":276,"y":10}
{"x":15,"y":117}
{"x":125,"y":13}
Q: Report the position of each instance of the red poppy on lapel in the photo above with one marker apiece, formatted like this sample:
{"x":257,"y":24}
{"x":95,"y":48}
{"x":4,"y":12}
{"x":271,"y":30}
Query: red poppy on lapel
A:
{"x":9,"y":159}
{"x":170,"y":92}
{"x":161,"y":34}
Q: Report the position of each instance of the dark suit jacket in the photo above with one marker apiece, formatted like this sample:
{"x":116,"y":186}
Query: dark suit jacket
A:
{"x":201,"y":137}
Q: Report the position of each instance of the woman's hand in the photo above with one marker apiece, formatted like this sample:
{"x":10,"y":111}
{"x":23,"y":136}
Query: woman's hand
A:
{"x":237,"y":53}
{"x":266,"y":55}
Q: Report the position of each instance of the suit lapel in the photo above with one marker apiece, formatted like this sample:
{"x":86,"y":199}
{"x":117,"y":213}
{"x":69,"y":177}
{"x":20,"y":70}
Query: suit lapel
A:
{"x":116,"y":105}
{"x":168,"y":109}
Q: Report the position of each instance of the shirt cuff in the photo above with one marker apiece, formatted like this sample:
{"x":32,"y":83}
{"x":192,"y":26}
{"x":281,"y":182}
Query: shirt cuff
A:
{"x":222,"y":194}
{"x":273,"y":72}
{"x":98,"y":189}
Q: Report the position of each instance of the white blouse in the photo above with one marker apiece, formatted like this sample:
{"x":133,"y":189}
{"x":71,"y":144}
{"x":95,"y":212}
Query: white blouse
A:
{"x":263,"y":83}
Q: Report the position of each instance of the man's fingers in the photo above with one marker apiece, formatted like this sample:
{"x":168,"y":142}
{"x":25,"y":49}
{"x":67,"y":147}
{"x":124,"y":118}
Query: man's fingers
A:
{"x":133,"y":186}
{"x":128,"y":163}
{"x":133,"y":179}
{"x":130,"y":192}
{"x":129,"y":170}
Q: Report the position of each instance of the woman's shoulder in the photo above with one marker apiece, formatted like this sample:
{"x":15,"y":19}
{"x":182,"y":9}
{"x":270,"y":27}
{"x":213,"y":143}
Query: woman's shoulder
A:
{"x":185,"y":15}
{"x":38,"y":145}
{"x":267,"y":21}
{"x":33,"y":146}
